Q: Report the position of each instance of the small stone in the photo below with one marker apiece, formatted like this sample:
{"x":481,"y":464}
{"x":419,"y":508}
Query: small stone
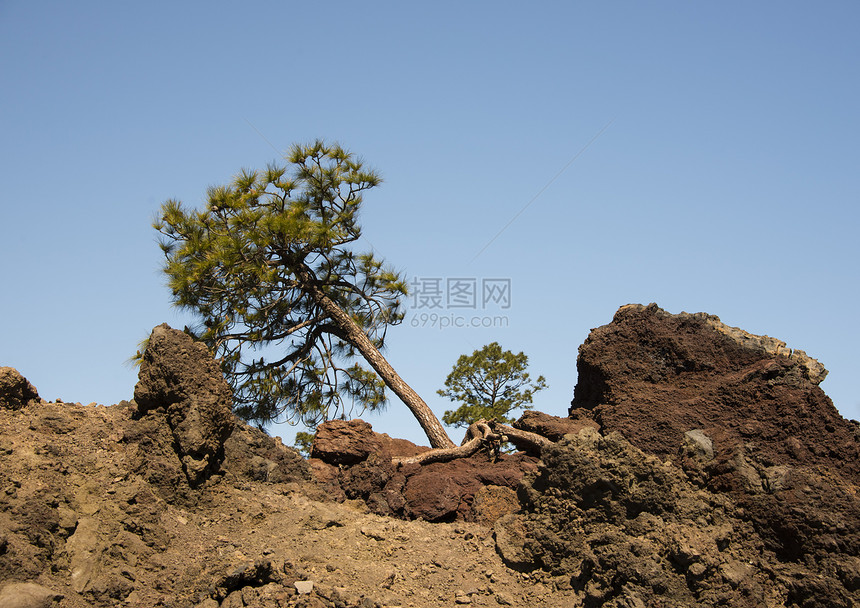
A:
{"x":505,"y":599}
{"x":304,"y":587}
{"x":699,"y":444}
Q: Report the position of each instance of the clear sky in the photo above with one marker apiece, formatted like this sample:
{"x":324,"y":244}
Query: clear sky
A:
{"x":703,"y":156}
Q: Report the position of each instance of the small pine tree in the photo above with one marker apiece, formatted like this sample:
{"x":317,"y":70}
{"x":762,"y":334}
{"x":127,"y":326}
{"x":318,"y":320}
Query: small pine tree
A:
{"x":490,"y":383}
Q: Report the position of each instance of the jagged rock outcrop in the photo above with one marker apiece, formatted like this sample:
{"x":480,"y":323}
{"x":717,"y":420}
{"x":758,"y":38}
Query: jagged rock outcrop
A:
{"x":744,"y":418}
{"x":653,"y":376}
{"x":15,"y":391}
{"x":356,"y":463}
{"x":628,"y":529}
{"x":180,"y":380}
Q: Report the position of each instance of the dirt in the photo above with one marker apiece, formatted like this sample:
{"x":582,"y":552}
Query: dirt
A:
{"x":95,"y":506}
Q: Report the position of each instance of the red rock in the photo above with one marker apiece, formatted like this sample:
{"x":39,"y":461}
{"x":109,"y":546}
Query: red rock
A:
{"x":552,"y":427}
{"x":653,"y":376}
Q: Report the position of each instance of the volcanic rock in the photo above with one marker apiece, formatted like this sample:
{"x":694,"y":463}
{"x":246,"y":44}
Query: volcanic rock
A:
{"x":348,"y":442}
{"x":653,"y":376}
{"x":744,"y":417}
{"x":552,"y":427}
{"x":632,"y":530}
{"x":354,"y":462}
{"x":345,"y":442}
{"x":15,"y":391}
{"x":249,"y":453}
{"x":180,"y":380}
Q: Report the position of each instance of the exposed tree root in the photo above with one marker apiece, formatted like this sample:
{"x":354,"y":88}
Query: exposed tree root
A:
{"x":532,"y":443}
{"x":482,"y":433}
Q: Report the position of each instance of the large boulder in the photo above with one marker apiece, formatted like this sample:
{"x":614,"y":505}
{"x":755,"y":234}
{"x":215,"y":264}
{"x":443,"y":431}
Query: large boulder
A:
{"x":28,"y":595}
{"x":15,"y":390}
{"x":653,"y":376}
{"x":744,"y":417}
{"x":552,"y":427}
{"x":347,"y":442}
{"x":180,"y":380}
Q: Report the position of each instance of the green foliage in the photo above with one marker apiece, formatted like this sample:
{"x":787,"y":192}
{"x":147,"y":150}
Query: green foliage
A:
{"x":304,"y":443}
{"x":252,"y":265}
{"x":490,"y":383}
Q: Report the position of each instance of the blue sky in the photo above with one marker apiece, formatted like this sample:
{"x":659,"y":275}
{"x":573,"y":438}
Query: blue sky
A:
{"x":702,"y":156}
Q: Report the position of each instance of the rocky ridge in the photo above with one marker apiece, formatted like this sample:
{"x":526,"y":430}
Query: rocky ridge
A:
{"x":700,"y":466}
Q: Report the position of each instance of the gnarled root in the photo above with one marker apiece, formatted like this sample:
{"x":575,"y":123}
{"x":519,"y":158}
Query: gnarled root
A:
{"x":531,"y":443}
{"x":479,"y":434}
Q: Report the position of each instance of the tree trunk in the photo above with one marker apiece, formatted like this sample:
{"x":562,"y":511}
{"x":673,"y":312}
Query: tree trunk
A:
{"x":426,"y":418}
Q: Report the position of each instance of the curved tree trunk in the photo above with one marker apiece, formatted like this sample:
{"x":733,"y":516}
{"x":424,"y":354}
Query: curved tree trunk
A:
{"x":426,"y":418}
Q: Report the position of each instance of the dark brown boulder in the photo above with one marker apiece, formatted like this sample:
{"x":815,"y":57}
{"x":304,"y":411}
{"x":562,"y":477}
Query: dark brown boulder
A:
{"x":653,"y":376}
{"x":445,"y":491}
{"x":180,"y":380}
{"x":743,"y":416}
{"x":348,"y":442}
{"x":15,"y":390}
{"x":345,"y":442}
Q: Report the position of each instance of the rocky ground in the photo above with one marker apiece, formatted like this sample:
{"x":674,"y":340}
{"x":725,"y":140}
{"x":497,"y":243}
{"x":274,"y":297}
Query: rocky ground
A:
{"x":700,"y":466}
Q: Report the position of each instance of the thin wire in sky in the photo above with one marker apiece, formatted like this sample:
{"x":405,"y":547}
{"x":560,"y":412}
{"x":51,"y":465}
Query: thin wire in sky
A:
{"x":279,"y":152}
{"x":548,"y":184}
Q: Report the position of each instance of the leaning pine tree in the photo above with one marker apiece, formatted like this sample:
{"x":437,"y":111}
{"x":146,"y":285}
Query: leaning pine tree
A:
{"x":284,"y":302}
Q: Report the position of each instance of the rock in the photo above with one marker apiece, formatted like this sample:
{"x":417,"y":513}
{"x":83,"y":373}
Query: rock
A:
{"x":348,"y":442}
{"x":699,"y":445}
{"x":653,"y":376}
{"x":180,"y":377}
{"x":251,"y":454}
{"x":551,"y":427}
{"x":27,"y":595}
{"x":493,"y":502}
{"x":15,"y":391}
{"x":510,"y":534}
{"x":445,"y":491}
{"x":763,"y":432}
{"x":349,"y":459}
{"x":626,"y":527}
{"x":304,"y":587}
{"x":345,"y":442}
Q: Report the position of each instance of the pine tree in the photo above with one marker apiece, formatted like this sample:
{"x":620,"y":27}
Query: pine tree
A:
{"x":283,"y":300}
{"x":490,"y":383}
